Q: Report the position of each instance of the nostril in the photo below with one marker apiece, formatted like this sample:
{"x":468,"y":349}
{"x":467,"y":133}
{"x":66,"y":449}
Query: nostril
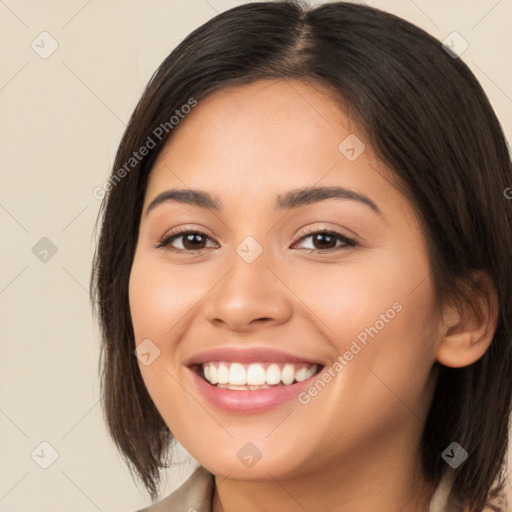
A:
{"x":264,"y":319}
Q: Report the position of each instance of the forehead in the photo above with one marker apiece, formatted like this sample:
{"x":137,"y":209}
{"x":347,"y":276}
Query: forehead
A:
{"x":243,"y":117}
{"x":271,"y":135}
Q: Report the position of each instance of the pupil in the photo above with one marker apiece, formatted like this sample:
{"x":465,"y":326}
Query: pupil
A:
{"x":322,"y":237}
{"x":190,"y":238}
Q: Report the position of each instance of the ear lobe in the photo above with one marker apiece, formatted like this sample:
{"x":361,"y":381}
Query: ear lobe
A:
{"x":466,"y":332}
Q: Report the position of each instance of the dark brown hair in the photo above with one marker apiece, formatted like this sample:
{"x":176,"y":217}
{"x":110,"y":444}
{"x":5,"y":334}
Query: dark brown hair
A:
{"x":425,"y":115}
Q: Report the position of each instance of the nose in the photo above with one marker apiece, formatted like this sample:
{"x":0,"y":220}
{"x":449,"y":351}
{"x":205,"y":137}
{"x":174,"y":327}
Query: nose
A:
{"x":249,"y":295}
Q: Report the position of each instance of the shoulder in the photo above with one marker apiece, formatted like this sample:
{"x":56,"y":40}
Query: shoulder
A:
{"x":193,"y":495}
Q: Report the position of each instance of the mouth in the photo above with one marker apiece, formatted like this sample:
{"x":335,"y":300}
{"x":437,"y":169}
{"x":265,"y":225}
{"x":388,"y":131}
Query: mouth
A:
{"x":247,"y":380}
{"x":237,"y":376}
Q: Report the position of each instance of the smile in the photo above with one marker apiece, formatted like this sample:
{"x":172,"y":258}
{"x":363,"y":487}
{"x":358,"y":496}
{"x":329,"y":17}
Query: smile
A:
{"x":238,"y":376}
{"x":247,"y":380}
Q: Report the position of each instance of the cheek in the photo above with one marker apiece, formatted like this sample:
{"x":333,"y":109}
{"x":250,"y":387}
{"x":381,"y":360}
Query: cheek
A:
{"x":158,"y":299}
{"x":386,"y":338}
{"x":379,"y":318}
{"x":377,"y":289}
{"x":159,"y":303}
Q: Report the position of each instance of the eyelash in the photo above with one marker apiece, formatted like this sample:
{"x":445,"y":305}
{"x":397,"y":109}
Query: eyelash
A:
{"x":348,"y":242}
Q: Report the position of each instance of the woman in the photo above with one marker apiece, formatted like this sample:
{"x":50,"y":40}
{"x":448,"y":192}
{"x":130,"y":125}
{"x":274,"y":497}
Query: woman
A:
{"x":303,"y":273}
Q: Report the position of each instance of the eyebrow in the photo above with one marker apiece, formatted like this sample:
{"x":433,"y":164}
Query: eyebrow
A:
{"x":291,"y":200}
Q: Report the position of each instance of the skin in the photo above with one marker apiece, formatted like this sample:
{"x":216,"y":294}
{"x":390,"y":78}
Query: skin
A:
{"x":354,"y":445}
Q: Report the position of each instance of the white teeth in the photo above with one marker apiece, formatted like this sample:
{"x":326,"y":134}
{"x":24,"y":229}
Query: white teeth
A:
{"x":256,"y":375}
{"x":237,"y":376}
{"x":288,"y":374}
{"x":301,"y":374}
{"x":273,"y":374}
{"x":222,"y":374}
{"x":213,"y":374}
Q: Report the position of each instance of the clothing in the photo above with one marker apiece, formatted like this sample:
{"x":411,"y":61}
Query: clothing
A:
{"x":196,"y":495}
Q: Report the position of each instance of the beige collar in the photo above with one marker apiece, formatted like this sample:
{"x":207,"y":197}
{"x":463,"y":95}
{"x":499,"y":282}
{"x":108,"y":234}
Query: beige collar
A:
{"x":196,"y":495}
{"x":442,"y":501}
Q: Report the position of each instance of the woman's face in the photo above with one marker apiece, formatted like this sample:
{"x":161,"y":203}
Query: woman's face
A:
{"x":259,"y":295}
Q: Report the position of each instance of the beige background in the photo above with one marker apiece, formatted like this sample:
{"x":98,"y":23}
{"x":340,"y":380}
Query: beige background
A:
{"x":61,"y":121}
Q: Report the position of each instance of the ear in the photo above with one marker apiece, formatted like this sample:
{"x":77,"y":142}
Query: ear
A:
{"x":465,"y":333}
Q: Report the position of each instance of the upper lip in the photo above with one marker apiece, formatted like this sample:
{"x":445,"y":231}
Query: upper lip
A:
{"x":247,"y":355}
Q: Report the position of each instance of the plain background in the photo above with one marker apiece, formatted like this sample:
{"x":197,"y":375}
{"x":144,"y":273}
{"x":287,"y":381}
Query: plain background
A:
{"x":62,"y":118}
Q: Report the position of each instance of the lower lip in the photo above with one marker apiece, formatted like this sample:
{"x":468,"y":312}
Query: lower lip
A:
{"x":250,"y":401}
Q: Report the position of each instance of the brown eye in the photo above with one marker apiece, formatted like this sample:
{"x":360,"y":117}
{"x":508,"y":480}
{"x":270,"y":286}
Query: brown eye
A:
{"x":191,"y":240}
{"x":326,"y":240}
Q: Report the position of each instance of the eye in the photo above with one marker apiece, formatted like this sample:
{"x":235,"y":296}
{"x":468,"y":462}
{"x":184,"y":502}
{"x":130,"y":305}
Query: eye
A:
{"x":325,"y":239}
{"x":192,"y":240}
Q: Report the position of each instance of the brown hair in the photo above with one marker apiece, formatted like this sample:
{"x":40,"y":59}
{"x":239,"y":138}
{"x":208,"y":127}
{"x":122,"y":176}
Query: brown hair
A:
{"x":428,"y":119}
